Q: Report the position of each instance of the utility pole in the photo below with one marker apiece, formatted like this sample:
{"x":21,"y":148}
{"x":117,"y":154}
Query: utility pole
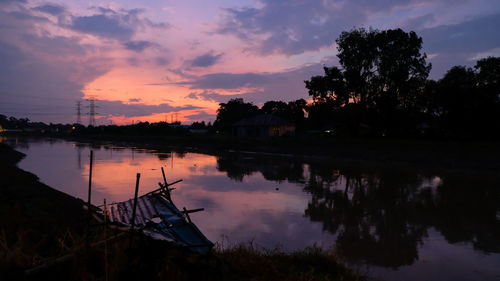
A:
{"x":78,"y":112}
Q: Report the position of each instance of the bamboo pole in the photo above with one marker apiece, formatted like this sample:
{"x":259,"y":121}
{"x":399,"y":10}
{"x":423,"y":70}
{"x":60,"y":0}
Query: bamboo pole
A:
{"x":186,"y":214}
{"x":167,"y":190}
{"x":105,"y":241}
{"x":89,"y":218}
{"x":161,"y":188}
{"x":90,"y":178}
{"x":134,"y":209}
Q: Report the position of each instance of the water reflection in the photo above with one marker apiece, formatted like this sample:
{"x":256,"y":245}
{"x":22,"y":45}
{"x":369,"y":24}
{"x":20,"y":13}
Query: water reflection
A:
{"x":381,"y":217}
{"x":371,"y":215}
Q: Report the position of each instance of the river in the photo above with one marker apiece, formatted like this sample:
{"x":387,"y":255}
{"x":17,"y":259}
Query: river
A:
{"x":403,"y":224}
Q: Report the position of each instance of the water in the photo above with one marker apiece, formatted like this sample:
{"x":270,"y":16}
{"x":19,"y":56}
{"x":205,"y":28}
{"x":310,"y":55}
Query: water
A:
{"x":388,"y":224}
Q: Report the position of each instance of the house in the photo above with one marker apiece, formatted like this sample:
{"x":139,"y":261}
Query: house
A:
{"x":263,"y":125}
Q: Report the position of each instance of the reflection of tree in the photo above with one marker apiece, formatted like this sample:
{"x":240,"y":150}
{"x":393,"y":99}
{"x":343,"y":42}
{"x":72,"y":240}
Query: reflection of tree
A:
{"x":164,"y":156}
{"x":235,"y":166}
{"x":381,"y":217}
{"x":377,"y":218}
{"x":467,"y":210}
{"x":273,"y":169}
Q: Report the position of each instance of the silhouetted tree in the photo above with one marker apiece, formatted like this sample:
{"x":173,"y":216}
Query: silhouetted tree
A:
{"x":456,"y":93}
{"x":297,"y":112}
{"x":292,"y":111}
{"x":199,"y":125}
{"x":278,"y":108}
{"x":232,"y":111}
{"x":488,"y":78}
{"x":383,"y":73}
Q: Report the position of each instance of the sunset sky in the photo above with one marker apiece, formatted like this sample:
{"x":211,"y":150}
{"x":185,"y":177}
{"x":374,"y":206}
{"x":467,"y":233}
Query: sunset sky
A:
{"x":147,"y":60}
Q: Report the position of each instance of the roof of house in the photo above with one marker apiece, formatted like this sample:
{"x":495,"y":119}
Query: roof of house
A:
{"x":263,"y":120}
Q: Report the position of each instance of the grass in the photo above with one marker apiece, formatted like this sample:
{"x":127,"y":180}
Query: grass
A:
{"x":257,"y":263}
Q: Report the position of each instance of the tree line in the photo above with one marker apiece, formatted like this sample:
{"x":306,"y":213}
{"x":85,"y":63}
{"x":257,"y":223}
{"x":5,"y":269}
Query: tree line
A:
{"x":382,"y":89}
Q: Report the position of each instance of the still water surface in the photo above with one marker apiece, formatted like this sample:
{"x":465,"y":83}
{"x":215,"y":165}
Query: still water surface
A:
{"x":390,"y":225}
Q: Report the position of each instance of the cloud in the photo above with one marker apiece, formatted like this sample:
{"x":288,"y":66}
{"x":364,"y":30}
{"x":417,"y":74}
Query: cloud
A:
{"x":286,"y":85}
{"x":56,"y":67}
{"x":52,"y":9}
{"x":161,"y":61}
{"x":12,"y":1}
{"x":457,"y":44}
{"x":134,"y":100}
{"x":220,"y":98}
{"x":205,"y":60}
{"x":52,"y":90}
{"x":118,"y":108}
{"x":228,"y":80}
{"x":201,"y":115}
{"x":289,"y":27}
{"x":295,"y":27}
{"x":138,"y":46}
{"x":418,"y":22}
{"x":117,"y":24}
{"x":104,"y":26}
{"x":478,"y":34}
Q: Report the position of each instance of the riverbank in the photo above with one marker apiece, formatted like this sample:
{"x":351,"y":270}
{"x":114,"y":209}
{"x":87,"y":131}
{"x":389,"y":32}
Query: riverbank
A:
{"x":381,"y":152}
{"x":39,"y":224}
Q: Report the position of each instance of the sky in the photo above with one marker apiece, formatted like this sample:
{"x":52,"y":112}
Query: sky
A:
{"x":173,"y":60}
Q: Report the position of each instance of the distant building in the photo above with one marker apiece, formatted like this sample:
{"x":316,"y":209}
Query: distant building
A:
{"x":198,"y":131}
{"x":264,"y":125}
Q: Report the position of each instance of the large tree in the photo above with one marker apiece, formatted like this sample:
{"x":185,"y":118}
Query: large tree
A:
{"x":381,"y":71}
{"x":401,"y":68}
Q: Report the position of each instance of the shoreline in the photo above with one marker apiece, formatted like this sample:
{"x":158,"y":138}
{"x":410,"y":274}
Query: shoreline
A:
{"x":449,"y":156}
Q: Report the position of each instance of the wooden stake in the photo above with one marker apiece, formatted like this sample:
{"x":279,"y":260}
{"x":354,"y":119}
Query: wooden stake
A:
{"x":90,"y":178}
{"x":89,"y":218}
{"x":105,"y":242}
{"x":167,"y":190}
{"x":187,"y":215}
{"x":134,"y":209}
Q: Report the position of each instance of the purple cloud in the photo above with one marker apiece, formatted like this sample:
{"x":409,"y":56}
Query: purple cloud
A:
{"x":205,"y":60}
{"x":52,"y":9}
{"x":109,"y":23}
{"x":118,"y":108}
{"x":201,"y":115}
{"x":228,"y":80}
{"x":290,"y":28}
{"x":294,"y":27}
{"x":287,"y":85}
{"x":457,"y":44}
{"x":103,"y":25}
{"x":138,"y":46}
